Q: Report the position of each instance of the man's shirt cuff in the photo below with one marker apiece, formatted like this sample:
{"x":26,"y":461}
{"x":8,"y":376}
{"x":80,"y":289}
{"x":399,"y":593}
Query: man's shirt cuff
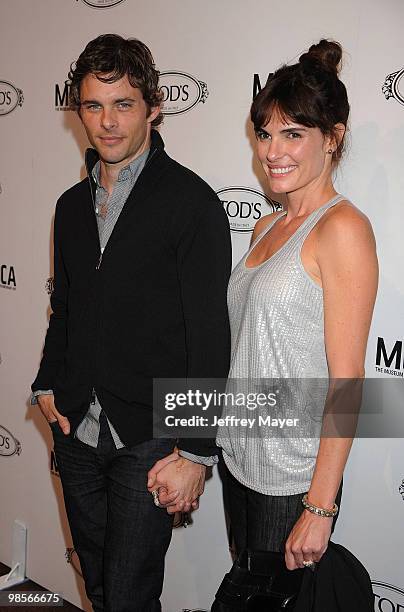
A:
{"x":34,"y":396}
{"x":208,"y":461}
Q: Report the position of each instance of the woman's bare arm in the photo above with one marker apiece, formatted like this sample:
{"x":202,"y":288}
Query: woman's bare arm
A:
{"x":346,"y":255}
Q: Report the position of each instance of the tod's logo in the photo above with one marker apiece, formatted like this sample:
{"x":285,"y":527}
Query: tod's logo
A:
{"x":100,"y":4}
{"x":10,"y":97}
{"x":388,"y":598}
{"x":244,"y":206}
{"x":9,"y":445}
{"x":393,"y":86}
{"x":181,"y":92}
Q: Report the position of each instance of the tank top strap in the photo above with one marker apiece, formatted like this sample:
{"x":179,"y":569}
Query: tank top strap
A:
{"x":265,"y":231}
{"x":306,"y":227}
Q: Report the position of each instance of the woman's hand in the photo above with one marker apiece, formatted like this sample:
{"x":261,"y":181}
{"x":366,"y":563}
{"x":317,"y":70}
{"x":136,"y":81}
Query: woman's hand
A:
{"x":308,"y":540}
{"x":181,"y":482}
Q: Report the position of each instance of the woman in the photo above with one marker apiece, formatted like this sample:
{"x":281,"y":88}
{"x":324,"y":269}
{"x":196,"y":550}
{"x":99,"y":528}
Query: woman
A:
{"x":300,"y":304}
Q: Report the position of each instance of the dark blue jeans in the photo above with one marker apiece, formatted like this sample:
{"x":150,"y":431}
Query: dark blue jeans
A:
{"x":120,"y":536}
{"x":261,"y":522}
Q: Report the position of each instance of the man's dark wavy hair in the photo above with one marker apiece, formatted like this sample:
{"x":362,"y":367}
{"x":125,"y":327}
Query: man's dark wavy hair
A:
{"x":114,"y":56}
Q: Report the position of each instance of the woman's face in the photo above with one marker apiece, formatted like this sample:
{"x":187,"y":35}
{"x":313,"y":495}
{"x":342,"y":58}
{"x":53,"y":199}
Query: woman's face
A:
{"x":293,"y":156}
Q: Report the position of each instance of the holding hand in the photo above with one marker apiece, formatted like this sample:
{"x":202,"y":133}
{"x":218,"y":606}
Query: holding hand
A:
{"x":179,"y":482}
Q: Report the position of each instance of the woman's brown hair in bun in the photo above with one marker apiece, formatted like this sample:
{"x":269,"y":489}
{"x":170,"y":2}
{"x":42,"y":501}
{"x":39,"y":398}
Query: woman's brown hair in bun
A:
{"x":308,"y":92}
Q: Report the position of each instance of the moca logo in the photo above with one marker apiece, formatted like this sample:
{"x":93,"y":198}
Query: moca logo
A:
{"x":62,"y":96}
{"x":10,"y":97}
{"x":244,"y":206}
{"x":388,"y":598}
{"x":9,"y":445}
{"x":7,"y":277}
{"x":389,"y":362}
{"x":99,"y":4}
{"x":181,"y":92}
{"x":393,"y":86}
{"x":257,"y":85}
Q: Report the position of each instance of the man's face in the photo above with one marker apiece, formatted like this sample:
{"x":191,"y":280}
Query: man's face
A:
{"x":116,"y":118}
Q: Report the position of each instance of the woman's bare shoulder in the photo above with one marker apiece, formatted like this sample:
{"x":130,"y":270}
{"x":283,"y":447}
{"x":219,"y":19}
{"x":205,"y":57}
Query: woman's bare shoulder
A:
{"x":346,"y":224}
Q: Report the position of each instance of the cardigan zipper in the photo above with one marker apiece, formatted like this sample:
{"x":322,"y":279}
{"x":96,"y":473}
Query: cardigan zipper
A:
{"x":97,"y":267}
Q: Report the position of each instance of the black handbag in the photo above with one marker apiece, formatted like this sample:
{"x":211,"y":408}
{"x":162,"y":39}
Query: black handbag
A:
{"x":259,"y":581}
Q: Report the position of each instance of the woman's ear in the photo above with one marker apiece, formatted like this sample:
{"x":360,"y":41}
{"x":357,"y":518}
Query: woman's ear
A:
{"x":339,"y":132}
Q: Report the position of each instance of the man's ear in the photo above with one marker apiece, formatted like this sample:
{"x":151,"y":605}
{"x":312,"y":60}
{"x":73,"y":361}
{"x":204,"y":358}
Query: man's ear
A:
{"x":154,"y":112}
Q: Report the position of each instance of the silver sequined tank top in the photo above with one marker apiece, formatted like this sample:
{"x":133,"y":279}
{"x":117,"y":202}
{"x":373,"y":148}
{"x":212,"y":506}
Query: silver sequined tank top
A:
{"x":277,"y":331}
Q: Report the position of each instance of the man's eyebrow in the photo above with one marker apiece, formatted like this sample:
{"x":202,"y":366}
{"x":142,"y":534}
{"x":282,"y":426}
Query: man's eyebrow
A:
{"x":124,"y":100}
{"x":117,"y":101}
{"x":89,"y":102}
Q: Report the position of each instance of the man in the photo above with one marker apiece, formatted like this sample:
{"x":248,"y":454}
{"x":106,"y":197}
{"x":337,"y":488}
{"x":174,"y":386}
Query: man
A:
{"x":141,"y":264}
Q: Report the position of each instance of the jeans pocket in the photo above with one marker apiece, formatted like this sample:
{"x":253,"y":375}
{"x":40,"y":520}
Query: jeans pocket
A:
{"x":54,"y":425}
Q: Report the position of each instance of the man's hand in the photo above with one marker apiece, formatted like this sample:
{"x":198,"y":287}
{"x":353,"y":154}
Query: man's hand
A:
{"x":47,"y":405}
{"x":175,"y":473}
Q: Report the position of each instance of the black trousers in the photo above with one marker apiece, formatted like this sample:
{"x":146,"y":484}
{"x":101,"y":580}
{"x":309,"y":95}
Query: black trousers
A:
{"x":261,"y":522}
{"x":120,"y":536}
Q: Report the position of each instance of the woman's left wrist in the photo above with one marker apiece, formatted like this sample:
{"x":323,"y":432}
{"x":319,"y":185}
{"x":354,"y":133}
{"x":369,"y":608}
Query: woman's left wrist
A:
{"x":321,"y":500}
{"x":325,"y":511}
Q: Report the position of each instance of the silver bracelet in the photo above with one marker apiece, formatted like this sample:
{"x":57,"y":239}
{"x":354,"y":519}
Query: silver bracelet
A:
{"x":319,"y":511}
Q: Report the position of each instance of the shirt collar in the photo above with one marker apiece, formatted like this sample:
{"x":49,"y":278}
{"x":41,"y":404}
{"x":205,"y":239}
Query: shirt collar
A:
{"x":131,"y":171}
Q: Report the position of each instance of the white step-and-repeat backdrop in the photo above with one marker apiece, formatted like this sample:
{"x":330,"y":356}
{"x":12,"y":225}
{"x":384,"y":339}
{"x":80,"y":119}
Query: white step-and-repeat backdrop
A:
{"x":212,"y":54}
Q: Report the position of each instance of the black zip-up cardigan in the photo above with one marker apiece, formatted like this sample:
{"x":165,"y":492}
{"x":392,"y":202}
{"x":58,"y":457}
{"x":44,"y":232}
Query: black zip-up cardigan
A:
{"x":153,"y":305}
